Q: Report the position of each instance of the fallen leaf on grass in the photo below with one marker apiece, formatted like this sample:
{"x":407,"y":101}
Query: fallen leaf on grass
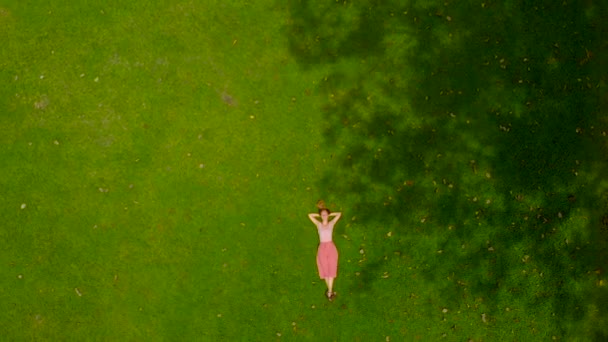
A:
{"x":42,"y":103}
{"x":229,"y":99}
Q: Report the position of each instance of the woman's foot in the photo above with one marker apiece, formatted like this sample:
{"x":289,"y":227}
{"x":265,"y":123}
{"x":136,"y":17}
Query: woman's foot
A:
{"x":330,"y":295}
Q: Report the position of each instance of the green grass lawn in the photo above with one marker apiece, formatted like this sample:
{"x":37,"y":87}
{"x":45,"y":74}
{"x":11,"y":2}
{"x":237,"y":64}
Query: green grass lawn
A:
{"x":159,"y":160}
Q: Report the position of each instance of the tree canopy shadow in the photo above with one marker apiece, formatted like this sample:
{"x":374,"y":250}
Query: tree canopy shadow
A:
{"x":482,"y":128}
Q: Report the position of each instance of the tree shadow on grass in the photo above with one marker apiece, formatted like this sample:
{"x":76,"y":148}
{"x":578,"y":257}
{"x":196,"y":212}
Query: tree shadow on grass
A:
{"x":479,"y":128}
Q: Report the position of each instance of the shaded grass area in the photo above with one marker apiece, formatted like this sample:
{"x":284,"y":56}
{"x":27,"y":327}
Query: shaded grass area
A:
{"x":469,"y":145}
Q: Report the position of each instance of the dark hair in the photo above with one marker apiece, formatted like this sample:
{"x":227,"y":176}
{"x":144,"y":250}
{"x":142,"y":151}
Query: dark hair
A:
{"x":324,"y":209}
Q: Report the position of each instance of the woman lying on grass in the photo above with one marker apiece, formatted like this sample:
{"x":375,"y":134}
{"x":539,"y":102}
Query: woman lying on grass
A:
{"x":327,"y":254}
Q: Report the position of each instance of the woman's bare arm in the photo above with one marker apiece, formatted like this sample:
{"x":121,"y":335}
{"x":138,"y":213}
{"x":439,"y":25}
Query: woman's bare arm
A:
{"x":336,"y":215}
{"x":312,"y":217}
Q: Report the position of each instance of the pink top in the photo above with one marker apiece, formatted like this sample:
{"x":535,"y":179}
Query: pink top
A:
{"x":325,"y":232}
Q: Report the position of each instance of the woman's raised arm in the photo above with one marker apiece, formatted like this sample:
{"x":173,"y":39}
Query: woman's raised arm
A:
{"x":312,"y":218}
{"x":337,"y":216}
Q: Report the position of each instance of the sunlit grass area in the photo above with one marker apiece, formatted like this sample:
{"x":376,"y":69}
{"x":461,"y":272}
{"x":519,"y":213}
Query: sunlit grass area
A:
{"x":159,"y":160}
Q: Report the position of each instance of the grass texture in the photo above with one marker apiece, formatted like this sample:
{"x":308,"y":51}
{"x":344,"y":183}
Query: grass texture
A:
{"x":159,"y":160}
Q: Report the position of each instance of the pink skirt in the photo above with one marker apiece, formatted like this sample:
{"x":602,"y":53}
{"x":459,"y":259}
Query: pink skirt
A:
{"x":327,"y":260}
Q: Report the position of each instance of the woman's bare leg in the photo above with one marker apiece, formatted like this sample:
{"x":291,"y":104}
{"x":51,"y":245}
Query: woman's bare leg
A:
{"x":330,"y":285}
